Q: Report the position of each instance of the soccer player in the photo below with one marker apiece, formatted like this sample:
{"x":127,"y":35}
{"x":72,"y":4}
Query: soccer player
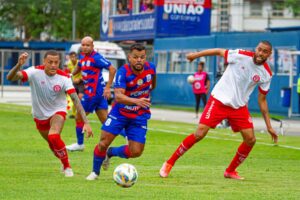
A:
{"x":49,"y":86}
{"x":229,"y":99}
{"x":77,"y":79}
{"x":134,"y":82}
{"x":96,"y":92}
{"x":201,"y":86}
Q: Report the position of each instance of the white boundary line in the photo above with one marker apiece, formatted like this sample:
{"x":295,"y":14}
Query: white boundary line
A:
{"x":218,"y":138}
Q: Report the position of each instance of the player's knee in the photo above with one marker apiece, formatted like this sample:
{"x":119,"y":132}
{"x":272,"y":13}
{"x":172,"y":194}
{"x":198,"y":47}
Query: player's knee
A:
{"x":103,"y":146}
{"x":251,"y":141}
{"x":135,"y":153}
{"x":201,"y":132}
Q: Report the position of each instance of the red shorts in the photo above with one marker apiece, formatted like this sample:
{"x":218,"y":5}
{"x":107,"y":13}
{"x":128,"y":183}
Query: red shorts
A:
{"x":44,"y":125}
{"x":215,"y":111}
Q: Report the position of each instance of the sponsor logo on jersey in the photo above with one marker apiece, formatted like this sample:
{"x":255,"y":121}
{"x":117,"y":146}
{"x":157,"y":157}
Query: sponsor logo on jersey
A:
{"x":148,"y":77}
{"x":256,"y":78}
{"x":56,"y":88}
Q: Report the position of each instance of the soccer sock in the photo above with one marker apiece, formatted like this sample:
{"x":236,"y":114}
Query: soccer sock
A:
{"x":59,"y":149}
{"x":99,"y":156}
{"x":241,"y":154}
{"x":122,"y":151}
{"x":79,"y":134}
{"x":186,"y":144}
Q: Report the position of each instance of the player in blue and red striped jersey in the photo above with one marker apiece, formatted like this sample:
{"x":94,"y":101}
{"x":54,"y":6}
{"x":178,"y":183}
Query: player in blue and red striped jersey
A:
{"x":96,"y":92}
{"x":134,"y":82}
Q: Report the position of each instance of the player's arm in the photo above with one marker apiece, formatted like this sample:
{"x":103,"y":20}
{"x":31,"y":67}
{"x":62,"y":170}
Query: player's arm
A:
{"x":120,"y":97}
{"x":76,"y":70}
{"x":153,"y":82}
{"x":14,"y":74}
{"x":112,"y":72}
{"x":76,"y":101}
{"x":263,"y":105}
{"x":207,"y":84}
{"x":207,"y":52}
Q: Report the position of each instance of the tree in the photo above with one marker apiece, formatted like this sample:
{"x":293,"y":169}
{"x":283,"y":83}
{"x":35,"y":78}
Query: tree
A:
{"x":53,"y":17}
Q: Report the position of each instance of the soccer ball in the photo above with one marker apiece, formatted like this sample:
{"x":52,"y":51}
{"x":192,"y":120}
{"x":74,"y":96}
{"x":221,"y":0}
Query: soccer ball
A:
{"x":190,"y":79}
{"x":125,"y":175}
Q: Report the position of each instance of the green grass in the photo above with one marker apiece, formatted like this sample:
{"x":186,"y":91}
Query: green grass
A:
{"x":28,"y":170}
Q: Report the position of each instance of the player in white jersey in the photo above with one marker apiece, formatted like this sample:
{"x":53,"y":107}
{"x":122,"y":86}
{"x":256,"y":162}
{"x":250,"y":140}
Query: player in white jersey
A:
{"x":49,"y":86}
{"x":229,"y":99}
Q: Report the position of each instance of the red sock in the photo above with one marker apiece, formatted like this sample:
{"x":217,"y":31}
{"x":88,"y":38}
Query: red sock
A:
{"x":59,"y":149}
{"x":241,"y":154}
{"x":186,"y":144}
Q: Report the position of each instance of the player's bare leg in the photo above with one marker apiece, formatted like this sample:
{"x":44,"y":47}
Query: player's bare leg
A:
{"x":102,"y":115}
{"x":186,"y":144}
{"x":100,"y":153}
{"x":78,"y":146}
{"x":241,"y":154}
{"x":56,"y":143}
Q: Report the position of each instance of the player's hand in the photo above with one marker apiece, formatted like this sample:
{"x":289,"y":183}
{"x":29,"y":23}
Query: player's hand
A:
{"x":88,"y":130}
{"x":76,"y":80}
{"x":22,"y":59}
{"x":143,"y":102}
{"x":273,"y":135}
{"x":106,"y":93}
{"x":190,"y":56}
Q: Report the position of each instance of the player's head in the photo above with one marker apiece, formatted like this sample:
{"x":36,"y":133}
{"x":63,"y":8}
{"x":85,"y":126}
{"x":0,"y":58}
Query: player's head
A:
{"x":262,"y":52}
{"x":51,"y":62}
{"x":137,"y":57}
{"x":73,"y":56}
{"x":201,"y":66}
{"x":87,"y":45}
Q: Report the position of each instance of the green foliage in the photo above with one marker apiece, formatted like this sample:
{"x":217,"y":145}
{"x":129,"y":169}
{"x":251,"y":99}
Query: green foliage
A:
{"x":29,"y":170}
{"x":53,"y":17}
{"x":294,"y":5}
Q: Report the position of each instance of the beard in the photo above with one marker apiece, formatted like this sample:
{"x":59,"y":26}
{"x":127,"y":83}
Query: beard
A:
{"x":138,"y":67}
{"x":258,"y":60}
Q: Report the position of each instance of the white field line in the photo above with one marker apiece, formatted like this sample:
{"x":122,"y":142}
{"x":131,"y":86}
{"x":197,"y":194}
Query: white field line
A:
{"x":218,"y":138}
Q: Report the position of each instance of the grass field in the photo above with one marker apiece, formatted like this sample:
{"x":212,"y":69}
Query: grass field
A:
{"x":28,"y":170}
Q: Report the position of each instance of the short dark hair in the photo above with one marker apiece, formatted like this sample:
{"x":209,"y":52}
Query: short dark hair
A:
{"x":137,"y":46}
{"x":201,"y":63}
{"x":51,"y":53}
{"x":266,"y":42}
{"x":72,"y":53}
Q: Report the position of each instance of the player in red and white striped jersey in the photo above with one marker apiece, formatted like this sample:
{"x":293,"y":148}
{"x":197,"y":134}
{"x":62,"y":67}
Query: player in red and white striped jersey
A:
{"x":229,"y":100}
{"x":49,"y":86}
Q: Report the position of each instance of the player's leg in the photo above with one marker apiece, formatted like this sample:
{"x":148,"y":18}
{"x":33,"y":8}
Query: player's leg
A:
{"x":79,"y":145}
{"x":186,"y":144}
{"x":213,"y":114}
{"x":56,"y":143}
{"x":102,"y":115}
{"x":197,"y":99}
{"x":100,"y":153}
{"x":240,"y":120}
{"x":204,"y":99}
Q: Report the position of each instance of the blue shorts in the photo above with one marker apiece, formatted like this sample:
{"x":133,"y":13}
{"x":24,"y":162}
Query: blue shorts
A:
{"x":93,"y":104}
{"x":135,"y":129}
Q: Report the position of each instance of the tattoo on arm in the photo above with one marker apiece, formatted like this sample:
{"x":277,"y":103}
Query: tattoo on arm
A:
{"x":80,"y":110}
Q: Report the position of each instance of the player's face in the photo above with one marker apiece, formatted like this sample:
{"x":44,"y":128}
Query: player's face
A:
{"x":137,"y":59}
{"x":51,"y":65}
{"x":262,"y":53}
{"x":73,"y":58}
{"x":87,"y":46}
{"x":200,"y":68}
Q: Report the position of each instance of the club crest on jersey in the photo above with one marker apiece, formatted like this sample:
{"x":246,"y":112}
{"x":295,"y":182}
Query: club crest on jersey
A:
{"x":256,"y":78}
{"x":140,"y":82}
{"x":56,"y":88}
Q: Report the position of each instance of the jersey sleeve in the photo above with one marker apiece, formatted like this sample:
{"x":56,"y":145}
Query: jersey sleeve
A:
{"x":69,"y":88}
{"x":231,"y":55}
{"x":27,"y":74}
{"x":120,"y":79}
{"x":264,"y":87}
{"x":102,"y":62}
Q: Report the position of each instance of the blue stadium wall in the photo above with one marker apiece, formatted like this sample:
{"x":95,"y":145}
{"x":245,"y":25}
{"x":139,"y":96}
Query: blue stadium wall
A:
{"x":173,"y":88}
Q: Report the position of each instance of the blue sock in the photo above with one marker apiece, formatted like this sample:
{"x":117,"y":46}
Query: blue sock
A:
{"x":121,"y":151}
{"x":123,"y":133}
{"x":80,"y":135}
{"x":98,"y":160}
